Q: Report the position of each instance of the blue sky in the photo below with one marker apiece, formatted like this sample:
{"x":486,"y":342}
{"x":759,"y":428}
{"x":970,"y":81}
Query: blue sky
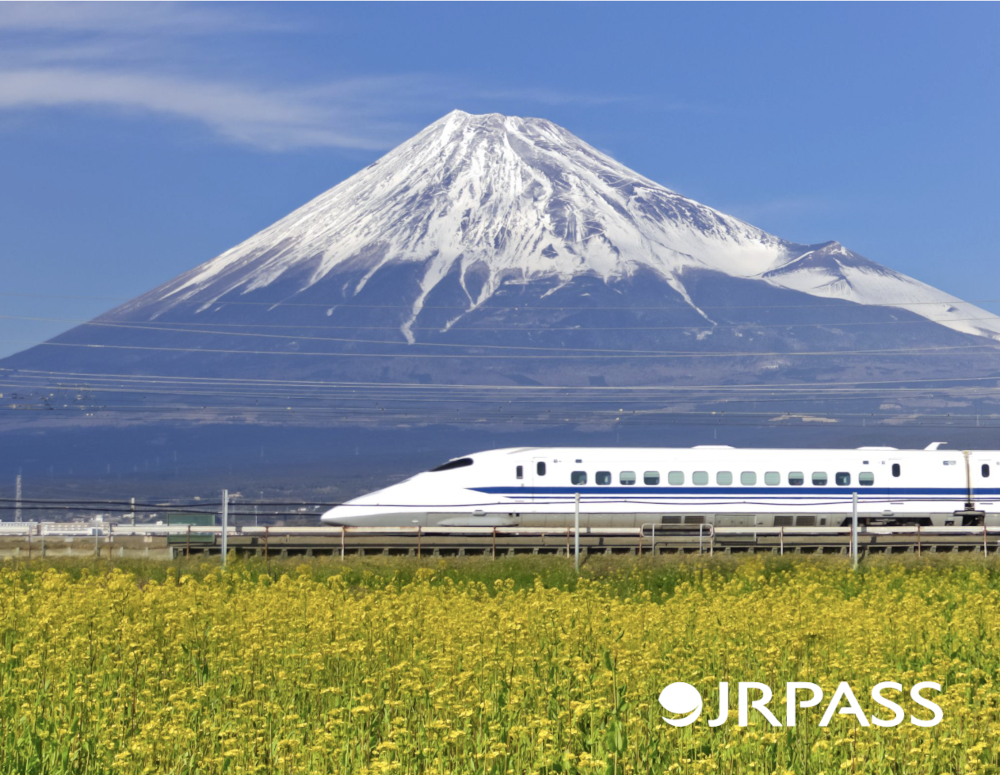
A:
{"x":137,"y":141}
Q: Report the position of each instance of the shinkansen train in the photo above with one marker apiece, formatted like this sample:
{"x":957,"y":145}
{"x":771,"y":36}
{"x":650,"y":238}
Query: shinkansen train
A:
{"x":716,"y":485}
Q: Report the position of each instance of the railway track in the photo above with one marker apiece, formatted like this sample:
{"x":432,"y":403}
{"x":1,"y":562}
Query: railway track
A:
{"x":27,"y":540}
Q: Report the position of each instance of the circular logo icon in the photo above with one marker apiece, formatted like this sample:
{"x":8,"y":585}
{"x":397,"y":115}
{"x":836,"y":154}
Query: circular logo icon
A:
{"x":680,"y":698}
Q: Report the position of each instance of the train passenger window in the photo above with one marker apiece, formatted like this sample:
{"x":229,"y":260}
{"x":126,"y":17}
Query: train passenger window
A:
{"x":520,"y":472}
{"x":749,"y":478}
{"x":603,"y":477}
{"x":540,"y":469}
{"x":651,"y":477}
{"x":796,"y":478}
{"x":819,"y":478}
{"x":700,"y":477}
{"x":627,"y":477}
{"x":724,"y":477}
{"x":675,"y":477}
{"x":842,"y":478}
{"x":578,"y":477}
{"x":986,"y":470}
{"x":866,"y":479}
{"x":895,"y":469}
{"x":772,"y":478}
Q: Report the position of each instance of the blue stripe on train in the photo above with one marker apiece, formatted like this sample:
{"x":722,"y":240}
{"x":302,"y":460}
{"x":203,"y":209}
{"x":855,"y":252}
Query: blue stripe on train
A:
{"x":802,"y":492}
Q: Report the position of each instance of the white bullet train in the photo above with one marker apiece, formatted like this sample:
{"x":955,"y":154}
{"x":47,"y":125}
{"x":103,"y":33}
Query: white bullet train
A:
{"x":722,"y":486}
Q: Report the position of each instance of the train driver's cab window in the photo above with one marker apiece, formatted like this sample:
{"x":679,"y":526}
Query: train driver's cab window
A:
{"x":578,"y":477}
{"x":819,"y":478}
{"x":520,"y":472}
{"x":866,"y":478}
{"x":603,"y":477}
{"x":724,"y":477}
{"x":627,"y":477}
{"x":700,"y":477}
{"x":986,"y":470}
{"x":772,"y":478}
{"x":796,"y":478}
{"x":842,"y":478}
{"x":651,"y":477}
{"x":540,"y":469}
{"x":895,"y":469}
{"x":675,"y":477}
{"x":748,"y":478}
{"x":453,"y":464}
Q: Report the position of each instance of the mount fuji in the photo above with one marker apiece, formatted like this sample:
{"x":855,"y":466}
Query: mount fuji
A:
{"x":493,"y":250}
{"x":492,"y":199}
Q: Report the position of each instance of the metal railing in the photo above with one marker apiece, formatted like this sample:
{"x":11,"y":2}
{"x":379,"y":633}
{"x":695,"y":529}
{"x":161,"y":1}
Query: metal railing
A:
{"x":650,"y":536}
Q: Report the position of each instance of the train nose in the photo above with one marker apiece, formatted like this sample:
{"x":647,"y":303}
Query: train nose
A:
{"x":353,"y":514}
{"x":334,"y":516}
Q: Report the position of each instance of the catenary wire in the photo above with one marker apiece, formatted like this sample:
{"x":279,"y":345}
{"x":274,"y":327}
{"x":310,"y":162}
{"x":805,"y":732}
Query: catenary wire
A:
{"x":590,"y":388}
{"x":285,"y":303}
{"x":947,"y":350}
{"x":528,"y":329}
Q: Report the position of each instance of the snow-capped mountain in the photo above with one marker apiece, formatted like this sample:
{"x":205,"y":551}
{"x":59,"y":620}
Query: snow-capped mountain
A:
{"x":498,"y":251}
{"x":495,"y":199}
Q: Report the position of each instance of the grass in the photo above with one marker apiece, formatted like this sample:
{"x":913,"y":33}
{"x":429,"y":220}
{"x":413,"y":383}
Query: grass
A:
{"x":467,"y":665}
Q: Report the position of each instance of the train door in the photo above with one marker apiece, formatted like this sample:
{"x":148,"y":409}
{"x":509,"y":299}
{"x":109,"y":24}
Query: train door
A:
{"x":984,"y":471}
{"x":894,"y":484}
{"x":539,"y":476}
{"x":980,"y":481}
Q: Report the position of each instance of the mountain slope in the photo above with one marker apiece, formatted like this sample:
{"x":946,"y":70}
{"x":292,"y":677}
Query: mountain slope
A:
{"x":494,"y":198}
{"x":494,"y":251}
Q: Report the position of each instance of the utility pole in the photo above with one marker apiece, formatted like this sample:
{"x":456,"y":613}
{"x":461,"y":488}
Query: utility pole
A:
{"x":854,"y":530}
{"x":17,"y":499}
{"x":576,"y":530}
{"x":225,"y":524}
{"x":132,"y":509}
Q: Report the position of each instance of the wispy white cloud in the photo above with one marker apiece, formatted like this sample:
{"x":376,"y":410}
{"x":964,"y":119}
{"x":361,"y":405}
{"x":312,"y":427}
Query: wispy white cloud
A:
{"x":140,"y":59}
{"x":150,"y":58}
{"x":371,"y":113}
{"x":786,"y":206}
{"x":552,"y":96}
{"x":557,"y":97}
{"x":131,"y":18}
{"x":341,"y":114}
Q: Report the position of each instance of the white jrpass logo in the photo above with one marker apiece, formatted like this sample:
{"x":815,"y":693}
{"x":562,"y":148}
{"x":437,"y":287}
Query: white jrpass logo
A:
{"x":684,"y":703}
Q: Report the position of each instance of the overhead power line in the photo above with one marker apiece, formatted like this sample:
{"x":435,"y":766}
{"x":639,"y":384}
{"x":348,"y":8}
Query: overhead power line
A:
{"x":527,"y":329}
{"x":532,"y":307}
{"x":367,"y":384}
{"x":397,"y":343}
{"x":941,"y":350}
{"x":439,"y":394}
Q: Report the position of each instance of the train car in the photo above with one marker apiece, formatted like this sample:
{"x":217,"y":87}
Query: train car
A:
{"x":717,"y":485}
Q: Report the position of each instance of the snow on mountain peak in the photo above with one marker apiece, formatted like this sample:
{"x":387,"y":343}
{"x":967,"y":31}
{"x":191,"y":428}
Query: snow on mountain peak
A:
{"x":520,"y":196}
{"x":524,"y":199}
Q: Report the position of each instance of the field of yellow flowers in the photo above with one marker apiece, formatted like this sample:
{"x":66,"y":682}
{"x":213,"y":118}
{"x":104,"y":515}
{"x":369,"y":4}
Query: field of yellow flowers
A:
{"x":506,"y":667}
